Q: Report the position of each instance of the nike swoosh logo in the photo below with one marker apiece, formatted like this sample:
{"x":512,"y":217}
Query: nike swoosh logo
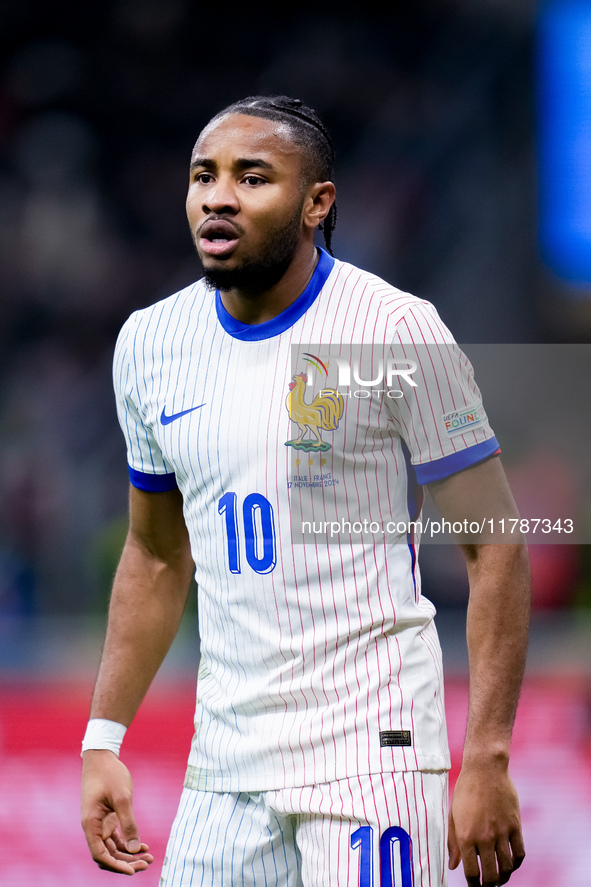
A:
{"x":166,"y":420}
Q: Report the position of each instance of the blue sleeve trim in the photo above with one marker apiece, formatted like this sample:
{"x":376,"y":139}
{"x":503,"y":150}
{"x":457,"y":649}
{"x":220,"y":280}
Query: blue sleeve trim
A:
{"x":152,"y":483}
{"x":440,"y":468}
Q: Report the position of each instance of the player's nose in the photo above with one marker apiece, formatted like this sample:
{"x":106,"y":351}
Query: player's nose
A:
{"x":222,"y":197}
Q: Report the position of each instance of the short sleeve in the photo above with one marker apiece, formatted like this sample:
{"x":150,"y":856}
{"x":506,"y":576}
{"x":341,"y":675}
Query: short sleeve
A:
{"x":148,"y":469}
{"x":441,"y":418}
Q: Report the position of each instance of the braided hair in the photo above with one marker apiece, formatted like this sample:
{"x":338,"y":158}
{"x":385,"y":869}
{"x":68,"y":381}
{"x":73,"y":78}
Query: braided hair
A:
{"x":308,"y":132}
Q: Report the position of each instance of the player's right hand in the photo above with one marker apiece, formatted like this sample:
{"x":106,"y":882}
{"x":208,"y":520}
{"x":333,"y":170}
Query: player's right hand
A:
{"x":107,"y":814}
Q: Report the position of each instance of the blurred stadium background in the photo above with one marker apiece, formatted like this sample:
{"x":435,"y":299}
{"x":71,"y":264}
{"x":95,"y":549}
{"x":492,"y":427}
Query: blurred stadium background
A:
{"x":463,"y":137}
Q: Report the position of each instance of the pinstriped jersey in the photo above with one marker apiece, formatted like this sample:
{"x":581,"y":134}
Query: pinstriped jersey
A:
{"x":301,"y":490}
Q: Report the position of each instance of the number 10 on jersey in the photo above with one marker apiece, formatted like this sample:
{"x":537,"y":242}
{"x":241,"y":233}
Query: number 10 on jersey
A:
{"x":395,"y":857}
{"x":257,"y":530}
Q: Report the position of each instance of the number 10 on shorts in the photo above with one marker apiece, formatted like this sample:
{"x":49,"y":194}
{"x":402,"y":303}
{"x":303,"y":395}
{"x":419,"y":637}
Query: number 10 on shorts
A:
{"x":395,"y":857}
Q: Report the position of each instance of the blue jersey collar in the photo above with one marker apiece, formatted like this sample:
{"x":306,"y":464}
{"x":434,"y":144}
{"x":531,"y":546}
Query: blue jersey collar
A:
{"x":254,"y":332}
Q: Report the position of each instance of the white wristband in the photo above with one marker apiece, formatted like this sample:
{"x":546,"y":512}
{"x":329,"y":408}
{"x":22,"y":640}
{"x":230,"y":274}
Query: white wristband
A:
{"x":101,"y":733}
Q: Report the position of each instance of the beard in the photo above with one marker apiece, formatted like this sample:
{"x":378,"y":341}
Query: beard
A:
{"x":259,"y":273}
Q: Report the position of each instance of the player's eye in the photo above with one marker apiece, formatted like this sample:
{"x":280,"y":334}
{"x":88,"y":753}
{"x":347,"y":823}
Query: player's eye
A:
{"x":253,"y":180}
{"x":204,"y":178}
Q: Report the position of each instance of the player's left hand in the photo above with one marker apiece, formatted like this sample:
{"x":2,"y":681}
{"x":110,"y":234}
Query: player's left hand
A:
{"x":485,"y":826}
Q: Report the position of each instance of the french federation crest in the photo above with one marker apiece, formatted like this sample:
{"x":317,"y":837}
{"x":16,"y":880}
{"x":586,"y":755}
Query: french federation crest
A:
{"x":322,"y":414}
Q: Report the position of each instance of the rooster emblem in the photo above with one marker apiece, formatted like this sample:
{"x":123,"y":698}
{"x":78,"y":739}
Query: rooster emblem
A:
{"x":323,"y":413}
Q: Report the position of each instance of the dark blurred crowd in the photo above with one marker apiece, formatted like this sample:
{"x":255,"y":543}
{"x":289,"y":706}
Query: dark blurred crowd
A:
{"x":432,"y":114}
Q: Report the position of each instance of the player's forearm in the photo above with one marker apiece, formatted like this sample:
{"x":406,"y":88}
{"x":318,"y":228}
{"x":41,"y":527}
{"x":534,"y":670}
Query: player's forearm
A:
{"x":497,"y":629}
{"x":147,"y":603}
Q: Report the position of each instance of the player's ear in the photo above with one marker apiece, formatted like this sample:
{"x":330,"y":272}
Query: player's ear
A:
{"x":321,"y":197}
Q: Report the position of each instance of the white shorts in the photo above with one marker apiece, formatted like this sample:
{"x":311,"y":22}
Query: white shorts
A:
{"x":388,"y":829}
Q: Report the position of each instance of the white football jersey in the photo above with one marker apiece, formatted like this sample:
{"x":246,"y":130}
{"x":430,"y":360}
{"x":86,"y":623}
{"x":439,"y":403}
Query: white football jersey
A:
{"x":299,"y":446}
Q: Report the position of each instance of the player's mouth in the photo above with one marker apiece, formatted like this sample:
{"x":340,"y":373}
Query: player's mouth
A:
{"x":218,"y":237}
